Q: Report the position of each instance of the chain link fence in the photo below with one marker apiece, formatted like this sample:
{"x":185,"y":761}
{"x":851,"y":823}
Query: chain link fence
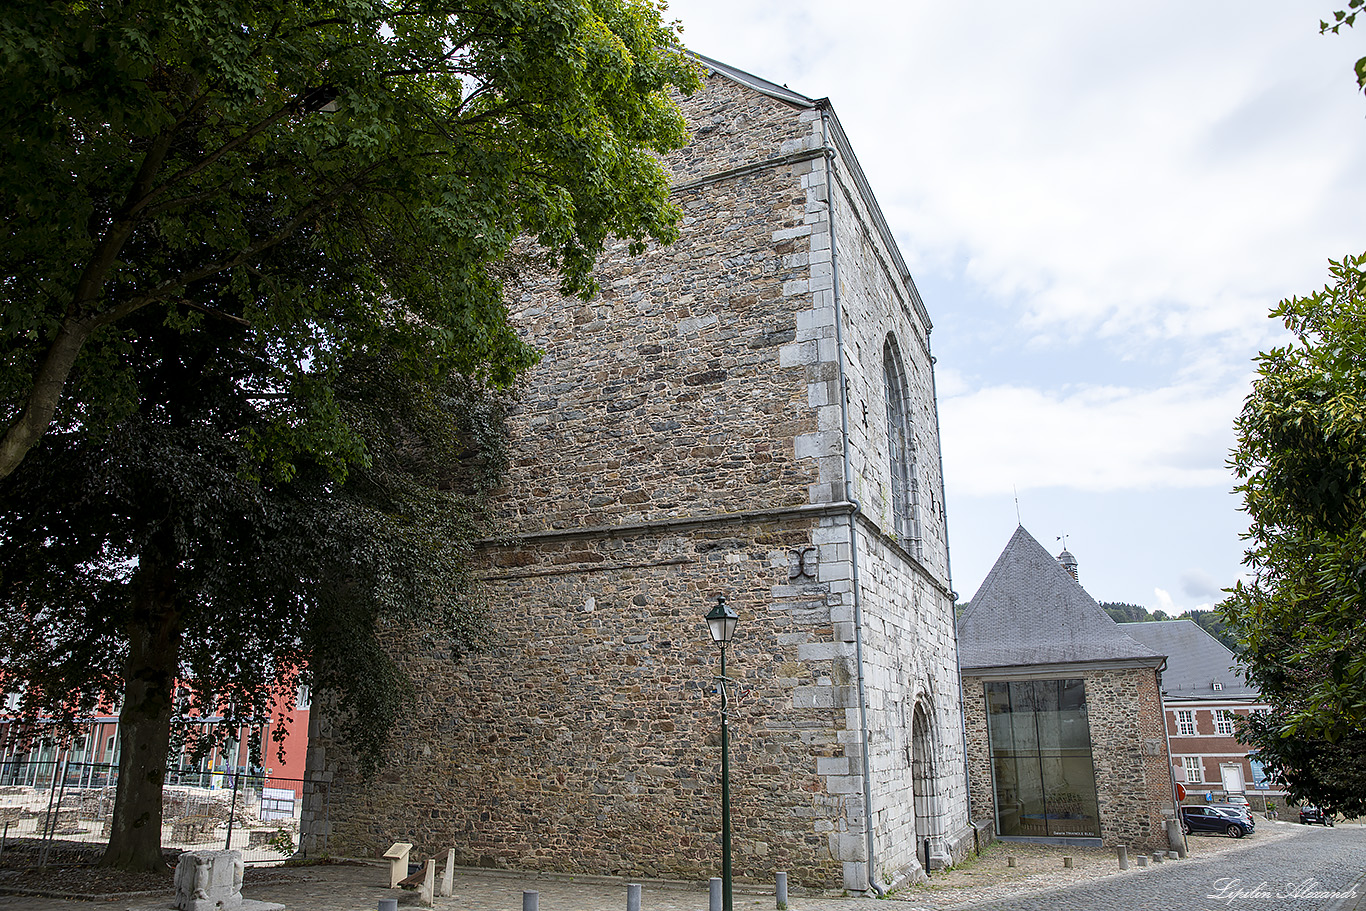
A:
{"x":58,"y":803}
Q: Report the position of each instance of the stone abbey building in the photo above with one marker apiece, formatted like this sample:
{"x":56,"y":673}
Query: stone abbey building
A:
{"x":750,"y":414}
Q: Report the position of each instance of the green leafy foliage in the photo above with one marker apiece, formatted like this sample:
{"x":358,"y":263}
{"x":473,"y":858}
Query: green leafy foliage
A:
{"x":1122,"y":612}
{"x":273,"y":581}
{"x":1347,"y":17}
{"x":1301,"y":463}
{"x":1327,"y":774}
{"x":246,"y":161}
{"x":253,"y":330}
{"x":1212,"y":622}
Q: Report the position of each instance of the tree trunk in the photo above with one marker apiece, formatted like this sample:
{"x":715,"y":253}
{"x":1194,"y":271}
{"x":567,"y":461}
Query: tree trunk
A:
{"x":154,"y":636}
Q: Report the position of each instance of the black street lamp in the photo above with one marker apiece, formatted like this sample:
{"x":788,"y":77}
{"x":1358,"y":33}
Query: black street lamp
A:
{"x":722,"y":622}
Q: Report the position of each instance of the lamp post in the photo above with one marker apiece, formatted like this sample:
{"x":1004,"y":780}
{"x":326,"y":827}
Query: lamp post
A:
{"x":722,"y":621}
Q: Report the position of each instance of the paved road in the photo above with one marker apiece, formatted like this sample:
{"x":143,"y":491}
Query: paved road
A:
{"x":1295,"y":874}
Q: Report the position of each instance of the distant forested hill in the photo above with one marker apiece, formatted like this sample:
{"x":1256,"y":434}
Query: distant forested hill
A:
{"x":1207,"y":620}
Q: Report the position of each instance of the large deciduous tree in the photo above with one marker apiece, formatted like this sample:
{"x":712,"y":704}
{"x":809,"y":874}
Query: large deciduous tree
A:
{"x":184,"y":156}
{"x":252,"y":284}
{"x":157,"y":559}
{"x":1300,"y":623}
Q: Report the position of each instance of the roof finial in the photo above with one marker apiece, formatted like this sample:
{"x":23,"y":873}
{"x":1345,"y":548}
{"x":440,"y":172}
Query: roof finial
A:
{"x":1068,"y":561}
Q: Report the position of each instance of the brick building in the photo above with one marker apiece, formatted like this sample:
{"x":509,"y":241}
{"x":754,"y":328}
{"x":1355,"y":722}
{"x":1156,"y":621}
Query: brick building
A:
{"x":1202,"y":692}
{"x":1063,"y":710}
{"x":749,"y":414}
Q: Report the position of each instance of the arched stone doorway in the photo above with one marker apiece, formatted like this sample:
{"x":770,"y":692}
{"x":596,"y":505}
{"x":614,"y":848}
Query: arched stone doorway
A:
{"x":922,"y":783}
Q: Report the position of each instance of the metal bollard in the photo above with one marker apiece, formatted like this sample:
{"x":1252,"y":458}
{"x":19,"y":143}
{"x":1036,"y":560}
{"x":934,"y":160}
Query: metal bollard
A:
{"x":1123,"y":852}
{"x":388,"y":904}
{"x":633,"y":897}
{"x":782,"y":892}
{"x":715,"y":893}
{"x":531,"y":901}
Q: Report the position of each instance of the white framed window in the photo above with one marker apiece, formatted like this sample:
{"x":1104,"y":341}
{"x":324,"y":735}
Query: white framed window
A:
{"x":1223,"y":722}
{"x":303,"y":697}
{"x":1185,"y":721}
{"x":1195,"y":768}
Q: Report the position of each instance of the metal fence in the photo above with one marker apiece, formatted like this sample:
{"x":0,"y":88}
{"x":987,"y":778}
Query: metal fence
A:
{"x":59,"y":802}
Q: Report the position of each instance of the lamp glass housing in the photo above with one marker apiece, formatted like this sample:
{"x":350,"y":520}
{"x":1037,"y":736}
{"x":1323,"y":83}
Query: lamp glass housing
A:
{"x":722,"y":622}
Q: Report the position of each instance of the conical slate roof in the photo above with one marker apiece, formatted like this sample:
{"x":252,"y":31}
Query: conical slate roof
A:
{"x":1030,"y":611}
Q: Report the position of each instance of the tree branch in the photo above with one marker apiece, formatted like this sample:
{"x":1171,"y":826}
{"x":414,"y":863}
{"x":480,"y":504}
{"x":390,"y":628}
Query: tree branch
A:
{"x":76,"y":329}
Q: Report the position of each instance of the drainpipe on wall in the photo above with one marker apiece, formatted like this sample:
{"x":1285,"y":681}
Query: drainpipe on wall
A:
{"x":848,"y":495}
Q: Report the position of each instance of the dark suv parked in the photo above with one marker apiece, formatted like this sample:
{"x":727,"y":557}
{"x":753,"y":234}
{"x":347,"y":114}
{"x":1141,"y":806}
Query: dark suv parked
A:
{"x":1310,"y":815}
{"x":1211,"y":819}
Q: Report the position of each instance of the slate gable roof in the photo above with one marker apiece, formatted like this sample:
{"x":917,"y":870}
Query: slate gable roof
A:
{"x":1195,"y":660}
{"x":1030,"y":611}
{"x":772,"y":89}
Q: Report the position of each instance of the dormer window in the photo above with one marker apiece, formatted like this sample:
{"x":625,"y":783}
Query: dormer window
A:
{"x":1217,"y":686}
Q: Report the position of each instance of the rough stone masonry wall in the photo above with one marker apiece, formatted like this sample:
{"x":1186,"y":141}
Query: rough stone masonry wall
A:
{"x":673,"y":392}
{"x":1129,"y":749}
{"x":586,"y":739}
{"x":981,"y":793}
{"x":1128,"y":752}
{"x":703,"y":381}
{"x":876,"y":303}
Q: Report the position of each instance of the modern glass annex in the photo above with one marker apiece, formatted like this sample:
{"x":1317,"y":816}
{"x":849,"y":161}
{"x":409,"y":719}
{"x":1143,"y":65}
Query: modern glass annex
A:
{"x":1041,"y":759}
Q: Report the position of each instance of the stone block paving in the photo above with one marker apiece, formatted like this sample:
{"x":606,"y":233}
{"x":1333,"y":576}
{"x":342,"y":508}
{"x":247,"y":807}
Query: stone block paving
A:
{"x":1038,"y":880}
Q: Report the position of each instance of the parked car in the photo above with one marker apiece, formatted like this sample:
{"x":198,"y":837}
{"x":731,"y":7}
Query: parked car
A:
{"x":1238,"y":800}
{"x":1311,"y":815}
{"x":1216,"y":819}
{"x":1242,"y":811}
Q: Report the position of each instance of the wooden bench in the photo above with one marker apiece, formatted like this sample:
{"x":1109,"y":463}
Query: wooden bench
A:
{"x":423,"y":881}
{"x":414,"y":880}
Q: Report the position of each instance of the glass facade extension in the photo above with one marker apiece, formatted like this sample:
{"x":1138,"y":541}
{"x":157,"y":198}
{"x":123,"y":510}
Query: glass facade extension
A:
{"x":1041,"y":759}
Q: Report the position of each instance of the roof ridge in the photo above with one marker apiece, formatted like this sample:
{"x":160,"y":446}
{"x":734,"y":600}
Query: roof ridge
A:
{"x":758,"y":83}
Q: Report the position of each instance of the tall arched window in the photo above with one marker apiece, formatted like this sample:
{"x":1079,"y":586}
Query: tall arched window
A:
{"x":900,"y":450}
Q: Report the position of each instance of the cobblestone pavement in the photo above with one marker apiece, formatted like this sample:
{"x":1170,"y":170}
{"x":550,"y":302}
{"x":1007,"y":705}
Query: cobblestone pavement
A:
{"x":1262,"y":865}
{"x":1312,"y":869}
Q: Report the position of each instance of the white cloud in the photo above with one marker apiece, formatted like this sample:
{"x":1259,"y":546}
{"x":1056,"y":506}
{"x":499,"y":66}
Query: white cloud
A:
{"x":1101,"y":203}
{"x":1163,"y":169}
{"x":1168,"y":605}
{"x":1097,"y":438}
{"x":1165,"y":603}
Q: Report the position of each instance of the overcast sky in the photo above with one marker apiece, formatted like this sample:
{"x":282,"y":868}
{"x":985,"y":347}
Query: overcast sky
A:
{"x":1100,"y":203}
